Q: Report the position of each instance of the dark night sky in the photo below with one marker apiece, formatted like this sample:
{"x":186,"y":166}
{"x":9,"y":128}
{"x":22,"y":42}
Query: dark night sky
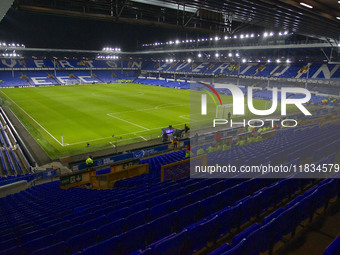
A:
{"x":49,"y":31}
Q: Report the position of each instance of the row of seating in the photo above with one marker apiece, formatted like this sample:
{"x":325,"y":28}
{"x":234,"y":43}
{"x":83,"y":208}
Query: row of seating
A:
{"x":261,"y":238}
{"x":229,"y":195}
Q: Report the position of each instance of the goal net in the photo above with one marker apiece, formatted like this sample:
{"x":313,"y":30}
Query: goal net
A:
{"x":268,"y":105}
{"x":222,"y":111}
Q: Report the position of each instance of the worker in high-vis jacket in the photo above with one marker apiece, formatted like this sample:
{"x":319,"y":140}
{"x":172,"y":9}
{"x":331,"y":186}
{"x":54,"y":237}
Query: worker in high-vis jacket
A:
{"x":89,"y":162}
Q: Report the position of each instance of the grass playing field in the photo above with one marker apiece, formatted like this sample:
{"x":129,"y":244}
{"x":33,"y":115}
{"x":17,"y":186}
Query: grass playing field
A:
{"x":94,"y":113}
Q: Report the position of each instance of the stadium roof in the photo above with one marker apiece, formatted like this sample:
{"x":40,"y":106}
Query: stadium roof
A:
{"x":226,"y":16}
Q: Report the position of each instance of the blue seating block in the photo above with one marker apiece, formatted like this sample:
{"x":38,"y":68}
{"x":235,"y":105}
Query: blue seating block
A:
{"x":111,"y":229}
{"x":81,"y":241}
{"x":107,"y":247}
{"x":55,"y":249}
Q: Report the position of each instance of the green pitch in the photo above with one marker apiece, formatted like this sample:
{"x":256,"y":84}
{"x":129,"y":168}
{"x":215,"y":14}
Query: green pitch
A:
{"x":94,"y":113}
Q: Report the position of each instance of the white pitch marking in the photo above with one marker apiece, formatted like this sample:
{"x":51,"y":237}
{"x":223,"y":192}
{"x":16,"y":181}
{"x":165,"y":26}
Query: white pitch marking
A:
{"x":143,"y":138}
{"x":128,"y":122}
{"x":132,"y":133}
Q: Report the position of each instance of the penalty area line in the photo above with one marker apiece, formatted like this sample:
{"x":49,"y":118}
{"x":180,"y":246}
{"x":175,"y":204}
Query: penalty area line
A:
{"x":128,"y":122}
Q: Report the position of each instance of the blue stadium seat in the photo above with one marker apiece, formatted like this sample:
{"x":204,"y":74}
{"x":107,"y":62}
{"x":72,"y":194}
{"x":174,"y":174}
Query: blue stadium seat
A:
{"x":32,"y":235}
{"x":239,"y":237}
{"x":176,"y":193}
{"x":210,"y":205}
{"x":189,"y":215}
{"x":94,"y":223}
{"x":111,"y":229}
{"x":81,"y":241}
{"x":107,"y":247}
{"x":220,"y":250}
{"x":181,"y":202}
{"x":27,"y":230}
{"x":286,"y":221}
{"x":119,"y":214}
{"x":199,"y":194}
{"x":139,"y":206}
{"x":227,"y":219}
{"x":66,"y":233}
{"x":254,"y":242}
{"x":7,"y":236}
{"x":173,"y":245}
{"x":8,"y":244}
{"x":272,"y":216}
{"x":56,"y":227}
{"x":217,"y":187}
{"x":239,"y":249}
{"x":54,"y":249}
{"x":246,"y":209}
{"x":158,"y":200}
{"x":38,"y":243}
{"x":200,"y":234}
{"x":334,"y":247}
{"x":103,"y":211}
{"x":163,"y":226}
{"x":160,"y":210}
{"x":15,"y":250}
{"x":81,"y":219}
{"x":134,"y":239}
{"x":137,"y":219}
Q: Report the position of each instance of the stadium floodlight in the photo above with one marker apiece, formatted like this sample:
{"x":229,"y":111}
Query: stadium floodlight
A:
{"x":265,"y":34}
{"x":271,"y":34}
{"x":171,"y":60}
{"x":226,"y":38}
{"x":285,"y":33}
{"x":247,"y":35}
{"x":237,"y":54}
{"x":241,"y":36}
{"x":338,"y":18}
{"x":199,"y":55}
{"x":288,"y":60}
{"x":177,"y":41}
{"x":167,"y":60}
{"x":235,"y":36}
{"x":198,"y":40}
{"x":244,"y":60}
{"x":280,"y":33}
{"x":269,"y":61}
{"x":186,"y":41}
{"x":216,"y":38}
{"x":278,"y":61}
{"x":252,"y":35}
{"x":230,"y":55}
{"x":189,"y":60}
{"x":217,"y":55}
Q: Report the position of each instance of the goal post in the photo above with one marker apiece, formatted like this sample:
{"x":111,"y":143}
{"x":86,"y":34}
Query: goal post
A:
{"x":268,"y":105}
{"x":223,"y":110}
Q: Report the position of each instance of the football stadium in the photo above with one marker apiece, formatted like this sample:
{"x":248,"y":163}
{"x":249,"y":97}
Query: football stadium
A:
{"x":168,"y":127}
